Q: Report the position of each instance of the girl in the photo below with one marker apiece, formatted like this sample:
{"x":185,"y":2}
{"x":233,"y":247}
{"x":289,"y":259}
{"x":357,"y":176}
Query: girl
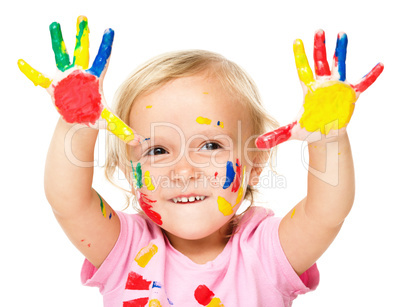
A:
{"x":188,"y":153}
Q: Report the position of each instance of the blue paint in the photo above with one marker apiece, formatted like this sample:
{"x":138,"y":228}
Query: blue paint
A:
{"x":230,"y":175}
{"x":218,"y":123}
{"x":156,"y":284}
{"x":340,"y":54}
{"x":105,"y":49}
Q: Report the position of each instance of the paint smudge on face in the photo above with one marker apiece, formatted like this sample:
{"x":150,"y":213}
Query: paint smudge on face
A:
{"x":146,"y":205}
{"x":203,"y":120}
{"x":293,"y":213}
{"x":219,"y":124}
{"x":216,"y":174}
{"x":241,"y":189}
{"x":139,"y":302}
{"x":145,"y":254}
{"x":224,"y":206}
{"x":103,"y":209}
{"x":148,"y":107}
{"x":148,"y":181}
{"x":205,"y":93}
{"x":137,"y":174}
{"x":230,"y":174}
{"x":236,"y":182}
{"x":136,"y":282}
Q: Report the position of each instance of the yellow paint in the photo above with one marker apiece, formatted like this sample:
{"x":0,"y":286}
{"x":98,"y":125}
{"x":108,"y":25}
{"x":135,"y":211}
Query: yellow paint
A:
{"x":117,"y":126}
{"x":224,"y":206}
{"x":32,"y":74}
{"x":220,"y":124}
{"x":215,"y":302}
{"x":293,"y":212}
{"x":146,"y":254}
{"x":154,"y":303}
{"x":203,"y":120}
{"x":303,"y":68}
{"x":148,"y":181}
{"x":205,"y":93}
{"x":81,"y":54}
{"x":329,"y":107}
{"x":241,"y":189}
{"x":148,"y":107}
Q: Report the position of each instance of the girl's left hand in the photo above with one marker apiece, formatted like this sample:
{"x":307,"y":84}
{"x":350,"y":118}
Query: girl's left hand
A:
{"x":329,"y":100}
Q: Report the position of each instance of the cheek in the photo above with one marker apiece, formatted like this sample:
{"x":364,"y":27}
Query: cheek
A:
{"x":233,"y":189}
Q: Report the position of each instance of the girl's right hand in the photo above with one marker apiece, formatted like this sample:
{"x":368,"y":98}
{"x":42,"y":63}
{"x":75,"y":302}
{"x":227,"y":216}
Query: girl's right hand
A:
{"x":76,"y":91}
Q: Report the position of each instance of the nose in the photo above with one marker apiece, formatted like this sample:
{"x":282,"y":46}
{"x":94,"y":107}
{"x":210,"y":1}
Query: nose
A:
{"x":184,"y":170}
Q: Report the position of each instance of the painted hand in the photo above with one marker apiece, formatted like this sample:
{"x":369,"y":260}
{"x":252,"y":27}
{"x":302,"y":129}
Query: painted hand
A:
{"x":76,"y":91}
{"x":329,"y":100}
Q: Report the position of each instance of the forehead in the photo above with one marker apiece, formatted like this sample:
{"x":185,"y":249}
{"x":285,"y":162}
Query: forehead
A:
{"x":195,"y":103}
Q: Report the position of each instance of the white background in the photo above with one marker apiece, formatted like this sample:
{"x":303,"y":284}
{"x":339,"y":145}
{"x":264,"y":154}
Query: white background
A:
{"x":40,"y":267}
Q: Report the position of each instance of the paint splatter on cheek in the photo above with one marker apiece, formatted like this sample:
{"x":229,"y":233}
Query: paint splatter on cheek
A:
{"x":77,"y":98}
{"x":230,"y":174}
{"x":146,"y":205}
{"x":148,"y":181}
{"x":137,"y":174}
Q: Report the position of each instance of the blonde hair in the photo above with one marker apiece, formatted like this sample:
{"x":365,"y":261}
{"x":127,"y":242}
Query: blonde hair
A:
{"x":160,"y":70}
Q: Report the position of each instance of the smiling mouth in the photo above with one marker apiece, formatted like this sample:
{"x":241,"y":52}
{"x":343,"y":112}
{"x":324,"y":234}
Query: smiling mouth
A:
{"x":190,"y":199}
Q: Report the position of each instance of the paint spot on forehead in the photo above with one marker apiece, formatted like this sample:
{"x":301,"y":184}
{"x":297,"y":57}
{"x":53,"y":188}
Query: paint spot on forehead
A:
{"x":203,"y":120}
{"x":148,"y":107}
{"x":205,"y":93}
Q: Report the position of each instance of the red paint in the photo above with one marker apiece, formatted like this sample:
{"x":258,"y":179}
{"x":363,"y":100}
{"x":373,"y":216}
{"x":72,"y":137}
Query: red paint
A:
{"x":236,"y":182}
{"x":145,"y":204}
{"x":139,"y":302}
{"x":137,"y":282}
{"x":216,"y":174}
{"x":203,"y":295}
{"x":320,"y":55}
{"x":369,"y":78}
{"x":77,"y":98}
{"x":275,"y":137}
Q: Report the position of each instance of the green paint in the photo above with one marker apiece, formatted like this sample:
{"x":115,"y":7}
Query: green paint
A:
{"x":59,"y":48}
{"x":103,"y":209}
{"x":137,"y":174}
{"x":82,"y":26}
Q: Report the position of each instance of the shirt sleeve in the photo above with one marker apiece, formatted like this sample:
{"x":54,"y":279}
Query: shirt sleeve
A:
{"x":289,"y":282}
{"x":114,"y":269}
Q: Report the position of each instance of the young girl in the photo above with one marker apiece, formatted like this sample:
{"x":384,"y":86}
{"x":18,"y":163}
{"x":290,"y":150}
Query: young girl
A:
{"x":188,"y":153}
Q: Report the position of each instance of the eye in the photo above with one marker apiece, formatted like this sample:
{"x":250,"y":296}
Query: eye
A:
{"x":211,"y":146}
{"x":156,"y":151}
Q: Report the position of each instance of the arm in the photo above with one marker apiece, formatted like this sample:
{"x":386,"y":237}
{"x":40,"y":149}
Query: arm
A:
{"x":311,"y":226}
{"x":76,"y":91}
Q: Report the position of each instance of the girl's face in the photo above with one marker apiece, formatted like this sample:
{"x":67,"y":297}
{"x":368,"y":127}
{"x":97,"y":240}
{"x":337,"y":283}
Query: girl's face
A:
{"x":191,"y":175}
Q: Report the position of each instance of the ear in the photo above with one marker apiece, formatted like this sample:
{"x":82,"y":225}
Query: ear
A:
{"x":259,"y":162}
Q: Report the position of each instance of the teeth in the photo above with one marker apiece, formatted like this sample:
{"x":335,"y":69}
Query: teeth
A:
{"x":185,"y":199}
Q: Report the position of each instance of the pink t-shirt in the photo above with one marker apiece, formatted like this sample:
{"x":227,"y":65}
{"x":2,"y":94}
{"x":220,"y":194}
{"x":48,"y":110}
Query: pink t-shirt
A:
{"x":143,"y":269}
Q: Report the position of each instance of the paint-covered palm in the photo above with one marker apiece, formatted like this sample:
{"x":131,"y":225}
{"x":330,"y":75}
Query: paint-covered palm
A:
{"x":329,"y":100}
{"x":76,"y":91}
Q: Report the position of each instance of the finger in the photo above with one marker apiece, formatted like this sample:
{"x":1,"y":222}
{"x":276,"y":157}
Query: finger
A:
{"x":276,"y":137}
{"x":32,"y":74}
{"x":339,"y":62}
{"x":103,"y":55}
{"x":119,"y":128}
{"x":369,"y":79}
{"x":320,"y":55}
{"x":81,"y":51}
{"x":59,"y":48}
{"x":303,"y":68}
